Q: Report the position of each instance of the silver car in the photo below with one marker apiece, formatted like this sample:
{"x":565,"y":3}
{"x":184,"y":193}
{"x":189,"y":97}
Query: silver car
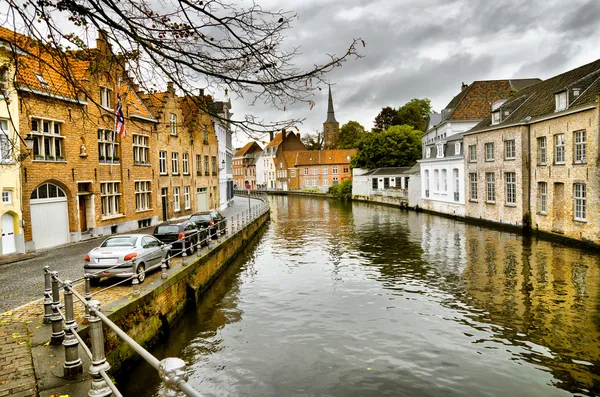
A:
{"x":125,"y":256}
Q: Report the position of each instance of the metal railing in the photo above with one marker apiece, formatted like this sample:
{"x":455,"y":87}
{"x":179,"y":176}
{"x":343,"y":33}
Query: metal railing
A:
{"x":172,"y":370}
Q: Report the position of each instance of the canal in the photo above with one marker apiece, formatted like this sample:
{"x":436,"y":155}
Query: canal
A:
{"x":361,"y":300}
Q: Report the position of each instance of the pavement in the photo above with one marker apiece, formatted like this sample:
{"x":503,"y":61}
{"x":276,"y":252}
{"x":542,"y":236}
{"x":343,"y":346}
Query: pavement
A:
{"x":24,"y":351}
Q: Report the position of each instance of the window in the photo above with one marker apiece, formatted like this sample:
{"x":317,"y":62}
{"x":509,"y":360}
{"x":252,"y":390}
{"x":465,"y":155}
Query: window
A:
{"x":47,"y":140}
{"x":489,"y":151}
{"x":142,"y":195}
{"x":473,"y":186}
{"x":175,"y":163}
{"x":108,"y":147}
{"x":496,"y":117}
{"x":511,"y":187}
{"x":42,"y":80}
{"x":510,"y":151}
{"x":561,"y":101}
{"x":490,"y":179}
{"x":542,"y":197}
{"x":306,"y":182}
{"x":426,"y":183}
{"x":199,"y":165}
{"x":445,"y":179}
{"x":334,"y":170}
{"x":186,"y":165}
{"x":3,"y":80}
{"x":428,"y":152}
{"x":472,"y":153}
{"x":456,"y":185}
{"x":579,"y":144}
{"x":109,"y":197}
{"x":335,"y":181}
{"x":436,"y":178}
{"x":207,"y":172}
{"x":213,"y":163}
{"x":406,"y":179}
{"x":5,"y":144}
{"x":542,"y":154}
{"x":105,"y":95}
{"x":559,"y":149}
{"x":176,"y":203}
{"x":205,"y":134}
{"x":325,"y":181}
{"x":346,"y":170}
{"x":324,"y":170}
{"x":457,"y":148}
{"x":293,"y":173}
{"x":6,"y":197}
{"x":305,"y":171}
{"x":579,"y":198}
{"x":173,"y":124}
{"x":186,"y":198}
{"x":315,"y":171}
{"x":140,"y":149}
{"x":440,"y":150}
{"x":374,"y":183}
{"x":162,"y":162}
{"x":314,"y":182}
{"x":386,"y":183}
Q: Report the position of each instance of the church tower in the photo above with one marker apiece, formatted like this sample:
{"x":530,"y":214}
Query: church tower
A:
{"x":331,"y":128}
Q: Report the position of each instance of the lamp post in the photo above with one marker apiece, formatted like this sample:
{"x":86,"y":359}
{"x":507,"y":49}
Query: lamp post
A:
{"x":28,"y":143}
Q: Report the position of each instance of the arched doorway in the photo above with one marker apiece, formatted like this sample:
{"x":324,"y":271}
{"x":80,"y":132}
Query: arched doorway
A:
{"x":49,"y":216}
{"x":8,"y":234}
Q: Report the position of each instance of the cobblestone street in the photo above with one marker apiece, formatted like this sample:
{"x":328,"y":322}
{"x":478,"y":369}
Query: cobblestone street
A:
{"x":22,"y":282}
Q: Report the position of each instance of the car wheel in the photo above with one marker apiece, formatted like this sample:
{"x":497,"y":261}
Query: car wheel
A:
{"x":192,"y":247}
{"x":168,"y":262}
{"x":141,"y":273}
{"x":94,"y":282}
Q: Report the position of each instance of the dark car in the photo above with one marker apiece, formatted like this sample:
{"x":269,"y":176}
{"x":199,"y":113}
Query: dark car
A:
{"x":181,"y":236}
{"x":211,"y":220}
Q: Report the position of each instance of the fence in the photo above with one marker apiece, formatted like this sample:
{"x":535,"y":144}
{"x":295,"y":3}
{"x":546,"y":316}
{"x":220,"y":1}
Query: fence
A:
{"x":172,"y":370}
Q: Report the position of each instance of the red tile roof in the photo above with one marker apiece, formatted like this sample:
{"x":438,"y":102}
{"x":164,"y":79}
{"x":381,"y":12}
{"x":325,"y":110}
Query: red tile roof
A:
{"x":318,"y":157}
{"x":246,"y":149}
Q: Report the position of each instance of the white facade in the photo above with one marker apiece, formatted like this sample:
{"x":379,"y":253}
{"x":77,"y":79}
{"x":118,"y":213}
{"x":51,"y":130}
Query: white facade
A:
{"x":225,"y":160}
{"x":265,"y":169}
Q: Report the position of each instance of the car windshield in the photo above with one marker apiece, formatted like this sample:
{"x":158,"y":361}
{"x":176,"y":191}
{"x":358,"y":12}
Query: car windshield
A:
{"x":125,"y":241}
{"x":197,"y":218}
{"x":167,"y":229}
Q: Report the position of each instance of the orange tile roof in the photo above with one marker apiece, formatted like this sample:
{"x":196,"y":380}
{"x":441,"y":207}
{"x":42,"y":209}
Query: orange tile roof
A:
{"x":136,"y":105}
{"x":244,"y":150}
{"x":318,"y":157}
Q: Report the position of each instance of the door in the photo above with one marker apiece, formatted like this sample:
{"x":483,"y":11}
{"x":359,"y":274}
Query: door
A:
{"x":558,"y":207}
{"x":49,"y":216}
{"x":8,"y":234}
{"x":82,"y":214}
{"x":163,"y":194}
{"x":202,"y":198}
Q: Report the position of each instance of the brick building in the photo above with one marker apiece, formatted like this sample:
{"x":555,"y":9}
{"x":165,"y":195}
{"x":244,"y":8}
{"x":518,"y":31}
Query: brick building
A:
{"x":314,"y":168}
{"x":244,"y":165}
{"x":534,"y":160}
{"x":265,"y":166}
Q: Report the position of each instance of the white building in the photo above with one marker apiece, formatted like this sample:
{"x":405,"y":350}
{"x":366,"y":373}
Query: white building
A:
{"x":442,"y":165}
{"x":224,"y":137}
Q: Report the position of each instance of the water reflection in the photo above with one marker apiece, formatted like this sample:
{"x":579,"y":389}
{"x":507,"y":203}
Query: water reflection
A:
{"x":355,"y":300}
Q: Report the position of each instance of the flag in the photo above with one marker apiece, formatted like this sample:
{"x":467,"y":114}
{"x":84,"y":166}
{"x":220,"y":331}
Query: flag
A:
{"x":119,"y":119}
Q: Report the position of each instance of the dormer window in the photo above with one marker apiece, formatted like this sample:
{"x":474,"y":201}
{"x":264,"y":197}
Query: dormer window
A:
{"x":496,"y":117}
{"x":105,"y":95}
{"x":42,"y":80}
{"x":576,"y":92}
{"x":428,"y":152}
{"x":440,"y":150}
{"x":457,"y":148}
{"x":3,"y":79}
{"x":561,"y":101}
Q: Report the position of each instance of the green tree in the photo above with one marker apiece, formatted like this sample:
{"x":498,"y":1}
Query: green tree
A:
{"x":415,"y":113}
{"x":350,"y":134}
{"x":385,"y":119}
{"x":313,"y":141}
{"x":398,"y":146}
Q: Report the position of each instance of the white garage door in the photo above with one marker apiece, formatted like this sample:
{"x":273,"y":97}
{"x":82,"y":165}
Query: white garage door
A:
{"x":202,"y":198}
{"x":49,"y":216}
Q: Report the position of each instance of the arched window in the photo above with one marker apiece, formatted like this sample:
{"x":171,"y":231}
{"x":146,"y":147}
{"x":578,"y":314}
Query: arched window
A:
{"x":47,"y":191}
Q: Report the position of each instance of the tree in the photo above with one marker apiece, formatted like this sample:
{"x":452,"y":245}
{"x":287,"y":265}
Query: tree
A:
{"x":385,"y":119}
{"x":398,"y":146}
{"x":350,"y":134}
{"x":232,"y":49}
{"x":313,"y":141}
{"x":416,"y":113}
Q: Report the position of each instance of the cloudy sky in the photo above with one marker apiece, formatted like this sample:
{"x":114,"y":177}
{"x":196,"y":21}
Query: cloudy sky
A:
{"x":426,"y":48}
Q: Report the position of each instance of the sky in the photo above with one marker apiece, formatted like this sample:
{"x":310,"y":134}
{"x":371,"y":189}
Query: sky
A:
{"x":427,"y":48}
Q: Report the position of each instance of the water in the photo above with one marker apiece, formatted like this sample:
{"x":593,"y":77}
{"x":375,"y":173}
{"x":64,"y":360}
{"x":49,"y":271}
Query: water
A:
{"x":359,"y":300}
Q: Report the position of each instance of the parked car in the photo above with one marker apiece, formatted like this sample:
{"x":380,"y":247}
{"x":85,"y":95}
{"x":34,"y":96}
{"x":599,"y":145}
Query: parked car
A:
{"x":211,"y":220}
{"x":184,"y":235}
{"x":114,"y":257}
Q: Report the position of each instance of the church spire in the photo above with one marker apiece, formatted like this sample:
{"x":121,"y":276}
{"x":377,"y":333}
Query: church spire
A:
{"x":330,"y":112}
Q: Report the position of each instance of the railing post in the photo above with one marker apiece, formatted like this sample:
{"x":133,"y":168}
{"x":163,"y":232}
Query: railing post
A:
{"x":172,"y":371}
{"x":163,"y":269}
{"x":72,"y":365}
{"x":184,"y":256}
{"x":88,"y":295}
{"x":47,"y":295}
{"x":99,"y":386}
{"x":135,"y":283}
{"x":58,"y":333}
{"x":238,"y":221}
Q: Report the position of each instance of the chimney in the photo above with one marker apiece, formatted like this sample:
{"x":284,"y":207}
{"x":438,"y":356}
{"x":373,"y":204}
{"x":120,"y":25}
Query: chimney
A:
{"x":170,"y":87}
{"x":270,"y":136}
{"x":102,"y":43}
{"x":463,"y":86}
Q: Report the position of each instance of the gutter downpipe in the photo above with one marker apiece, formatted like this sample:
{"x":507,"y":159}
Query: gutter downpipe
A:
{"x":528,"y":219}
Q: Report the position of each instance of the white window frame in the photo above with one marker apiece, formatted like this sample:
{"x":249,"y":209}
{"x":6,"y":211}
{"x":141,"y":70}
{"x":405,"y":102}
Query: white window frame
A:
{"x":542,"y":197}
{"x":496,"y":117}
{"x":510,"y":149}
{"x":186,"y":163}
{"x":175,"y":163}
{"x":436,"y":178}
{"x":579,"y":143}
{"x":324,"y":170}
{"x":53,"y":136}
{"x":445,"y":179}
{"x":472,"y":153}
{"x":110,"y":198}
{"x":561,"y":101}
{"x":510,"y":179}
{"x":315,"y":172}
{"x":334,"y":170}
{"x":173,"y":124}
{"x":141,"y":149}
{"x":428,"y":152}
{"x":457,"y":148}
{"x":439,"y":150}
{"x":3,"y":81}
{"x":176,"y":199}
{"x":105,"y":97}
{"x":559,"y":149}
{"x":6,"y":196}
{"x":162,"y":162}
{"x":490,"y":187}
{"x":473,"y":186}
{"x":143,"y":192}
{"x":305,"y":171}
{"x":187,"y":202}
{"x":542,"y":150}
{"x":108,"y":147}
{"x":579,"y":202}
{"x":6,"y":145}
{"x":489,"y":151}
{"x":314,"y":182}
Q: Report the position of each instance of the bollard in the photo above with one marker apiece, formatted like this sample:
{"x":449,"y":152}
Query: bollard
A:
{"x":72,"y":365}
{"x":184,"y":257}
{"x":238,"y":222}
{"x":172,"y":371}
{"x":47,"y":295}
{"x":88,"y":295}
{"x":163,"y":269}
{"x":99,"y":386}
{"x":58,"y":334}
{"x":135,"y":282}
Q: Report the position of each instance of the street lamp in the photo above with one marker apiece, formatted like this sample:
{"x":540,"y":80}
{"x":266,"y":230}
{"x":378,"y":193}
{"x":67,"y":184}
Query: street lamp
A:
{"x":28,"y":143}
{"x":222,"y":165}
